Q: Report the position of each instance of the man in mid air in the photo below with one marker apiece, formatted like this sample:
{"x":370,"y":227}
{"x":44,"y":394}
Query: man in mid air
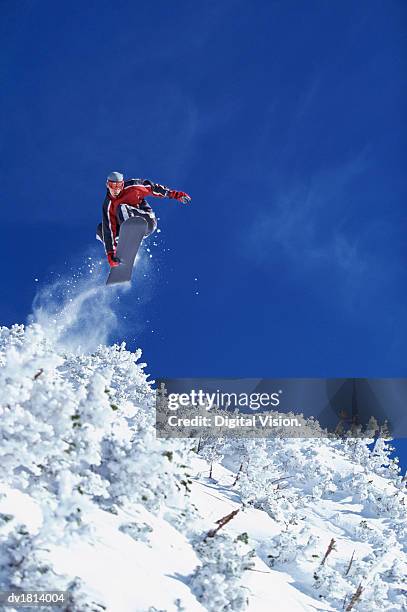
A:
{"x":125,"y":199}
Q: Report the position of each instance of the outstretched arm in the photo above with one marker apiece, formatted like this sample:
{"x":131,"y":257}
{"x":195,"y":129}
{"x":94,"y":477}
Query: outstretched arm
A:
{"x":157,"y":190}
{"x":160,"y":191}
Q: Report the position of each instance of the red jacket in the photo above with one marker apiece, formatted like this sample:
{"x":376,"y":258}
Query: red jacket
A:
{"x":133,"y":194}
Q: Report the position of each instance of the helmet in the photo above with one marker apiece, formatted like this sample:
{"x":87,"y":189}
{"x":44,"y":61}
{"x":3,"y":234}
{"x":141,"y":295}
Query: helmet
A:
{"x":115,"y":183}
{"x":115,"y":177}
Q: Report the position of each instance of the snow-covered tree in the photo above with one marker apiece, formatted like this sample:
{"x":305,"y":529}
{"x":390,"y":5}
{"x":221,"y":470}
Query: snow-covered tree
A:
{"x":78,"y":440}
{"x":217,"y":582}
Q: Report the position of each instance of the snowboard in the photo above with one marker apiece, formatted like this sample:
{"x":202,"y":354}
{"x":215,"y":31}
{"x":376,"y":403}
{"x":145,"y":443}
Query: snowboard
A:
{"x":132,"y":232}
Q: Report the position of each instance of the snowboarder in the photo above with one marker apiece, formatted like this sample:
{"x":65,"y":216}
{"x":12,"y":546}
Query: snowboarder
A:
{"x":124,"y":200}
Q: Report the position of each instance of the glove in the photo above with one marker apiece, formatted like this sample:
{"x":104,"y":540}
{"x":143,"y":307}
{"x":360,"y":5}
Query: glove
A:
{"x":112,"y":259}
{"x":181,"y":196}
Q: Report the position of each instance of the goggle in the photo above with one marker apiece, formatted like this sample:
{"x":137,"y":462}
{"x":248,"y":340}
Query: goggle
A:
{"x":115,"y":184}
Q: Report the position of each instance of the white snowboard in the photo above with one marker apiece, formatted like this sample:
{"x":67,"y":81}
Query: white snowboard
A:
{"x":131,"y":234}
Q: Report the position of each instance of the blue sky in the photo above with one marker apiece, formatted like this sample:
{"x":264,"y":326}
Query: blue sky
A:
{"x":285,"y":121}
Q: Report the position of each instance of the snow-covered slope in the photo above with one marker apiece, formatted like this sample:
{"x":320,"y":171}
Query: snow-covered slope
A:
{"x":93,"y":503}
